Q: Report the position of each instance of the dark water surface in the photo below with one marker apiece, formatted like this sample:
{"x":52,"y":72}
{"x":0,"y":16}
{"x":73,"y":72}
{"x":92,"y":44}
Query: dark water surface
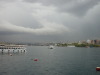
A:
{"x":57,"y":61}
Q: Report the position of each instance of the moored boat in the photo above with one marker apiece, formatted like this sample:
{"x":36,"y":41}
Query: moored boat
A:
{"x":51,"y":47}
{"x":70,"y":46}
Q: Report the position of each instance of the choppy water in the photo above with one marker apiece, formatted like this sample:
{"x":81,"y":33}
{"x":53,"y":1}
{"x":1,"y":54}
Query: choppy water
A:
{"x":57,"y":61}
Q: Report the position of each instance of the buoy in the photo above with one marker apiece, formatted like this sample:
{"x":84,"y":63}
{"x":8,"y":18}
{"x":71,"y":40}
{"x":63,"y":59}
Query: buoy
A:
{"x":35,"y":59}
{"x":97,"y":68}
{"x":10,"y":54}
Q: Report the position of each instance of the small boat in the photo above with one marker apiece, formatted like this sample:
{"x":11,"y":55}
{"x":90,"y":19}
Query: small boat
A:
{"x":51,"y":47}
{"x":10,"y":54}
{"x":70,"y":46}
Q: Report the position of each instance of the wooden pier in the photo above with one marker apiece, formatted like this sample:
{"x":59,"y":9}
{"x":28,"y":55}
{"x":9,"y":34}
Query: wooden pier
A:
{"x":12,"y":51}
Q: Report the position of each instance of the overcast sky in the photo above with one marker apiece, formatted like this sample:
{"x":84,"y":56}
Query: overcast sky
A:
{"x":49,"y":20}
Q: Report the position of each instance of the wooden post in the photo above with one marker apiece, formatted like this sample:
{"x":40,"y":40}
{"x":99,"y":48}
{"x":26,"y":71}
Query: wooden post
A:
{"x":13,"y":51}
{"x":21,"y":51}
{"x":8,"y":51}
{"x":2,"y":50}
{"x":24,"y":50}
{"x":18,"y":51}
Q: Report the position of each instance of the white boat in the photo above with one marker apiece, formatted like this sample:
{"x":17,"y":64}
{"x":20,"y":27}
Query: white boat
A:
{"x":12,"y":48}
{"x":70,"y":46}
{"x":51,"y":47}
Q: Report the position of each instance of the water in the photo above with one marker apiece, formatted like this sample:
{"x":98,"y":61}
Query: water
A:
{"x":57,"y":61}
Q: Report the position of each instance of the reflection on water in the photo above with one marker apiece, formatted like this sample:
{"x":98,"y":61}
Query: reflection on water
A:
{"x":12,"y":53}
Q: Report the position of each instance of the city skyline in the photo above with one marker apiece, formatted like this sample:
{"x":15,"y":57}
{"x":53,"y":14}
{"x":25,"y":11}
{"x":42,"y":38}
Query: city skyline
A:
{"x":49,"y":20}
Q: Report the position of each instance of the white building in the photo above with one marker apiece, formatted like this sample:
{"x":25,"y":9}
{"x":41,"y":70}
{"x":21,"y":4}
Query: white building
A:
{"x":88,"y":41}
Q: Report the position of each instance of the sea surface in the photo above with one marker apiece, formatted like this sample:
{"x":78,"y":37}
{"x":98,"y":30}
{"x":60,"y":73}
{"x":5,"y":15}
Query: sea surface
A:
{"x":57,"y":61}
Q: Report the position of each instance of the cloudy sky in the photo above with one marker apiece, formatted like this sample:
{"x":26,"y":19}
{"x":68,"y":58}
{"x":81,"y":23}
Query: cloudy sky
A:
{"x":49,"y":20}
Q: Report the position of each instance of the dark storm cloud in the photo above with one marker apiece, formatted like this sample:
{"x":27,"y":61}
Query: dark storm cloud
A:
{"x":21,"y":18}
{"x":79,"y":8}
{"x":76,"y":7}
{"x":49,"y":20}
{"x":50,"y":2}
{"x":91,"y":27}
{"x":18,"y":16}
{"x":8,"y":0}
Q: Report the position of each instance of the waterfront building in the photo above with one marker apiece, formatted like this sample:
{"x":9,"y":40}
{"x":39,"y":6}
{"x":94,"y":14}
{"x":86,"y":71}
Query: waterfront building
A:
{"x":12,"y":48}
{"x":92,"y":41}
{"x":88,"y":41}
{"x":79,"y":42}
